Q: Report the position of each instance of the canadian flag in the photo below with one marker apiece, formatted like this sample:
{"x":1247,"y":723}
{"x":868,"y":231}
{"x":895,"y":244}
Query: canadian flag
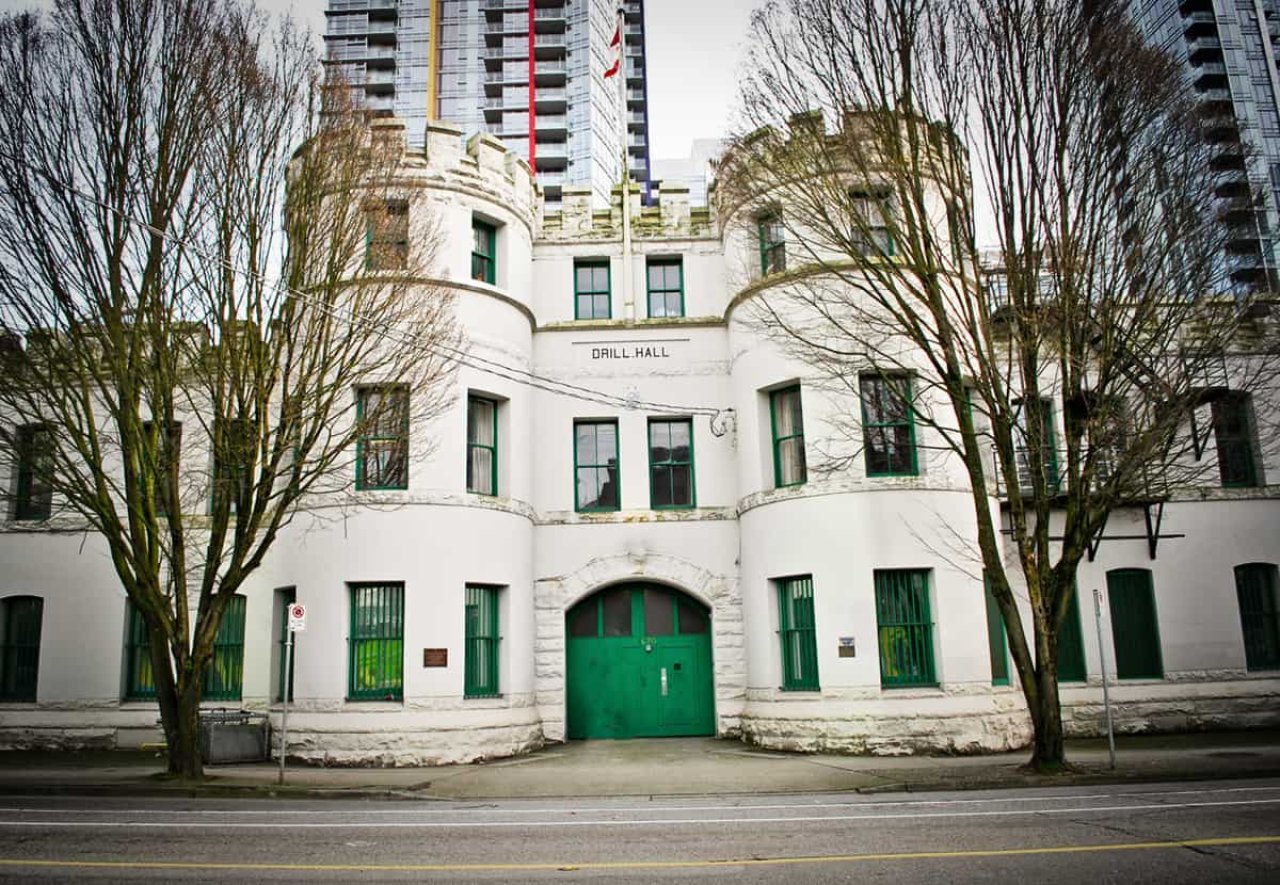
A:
{"x":615,"y":49}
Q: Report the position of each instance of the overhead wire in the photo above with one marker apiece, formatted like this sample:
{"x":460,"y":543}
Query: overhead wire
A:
{"x":496,"y":368}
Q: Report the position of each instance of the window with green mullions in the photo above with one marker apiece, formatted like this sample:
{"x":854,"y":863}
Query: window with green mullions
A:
{"x":773,"y":244}
{"x":1026,"y":458}
{"x":671,"y":463}
{"x":997,"y":641}
{"x":904,"y":628}
{"x":20,"y":652}
{"x":375,"y":665}
{"x":33,"y":495}
{"x":787,"y":423}
{"x":888,"y":426}
{"x":1071,"y":667}
{"x":482,"y":446}
{"x":1233,"y":433}
{"x":382,"y":450}
{"x":666,"y":287}
{"x":484,"y":238}
{"x":1134,"y":632}
{"x":139,"y":679}
{"x":595,"y":465}
{"x":285,"y":597}
{"x":387,"y":235}
{"x":480,"y":668}
{"x":797,"y":634}
{"x":224,"y":679}
{"x":591,"y":296}
{"x":1256,"y":589}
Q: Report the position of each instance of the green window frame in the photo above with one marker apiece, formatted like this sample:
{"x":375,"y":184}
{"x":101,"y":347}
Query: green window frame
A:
{"x":33,"y":496}
{"x":21,"y":622}
{"x":233,"y":461}
{"x":997,"y":638}
{"x":139,"y":677}
{"x":1071,"y":662}
{"x":1023,"y":453}
{"x":671,"y":475}
{"x":786,"y":419}
{"x":382,"y":448}
{"x":1235,"y":438}
{"x":592,"y":289}
{"x":665,"y":278}
{"x":872,"y":222}
{"x":773,"y":243}
{"x":375,"y":650}
{"x":597,"y":469}
{"x":224,"y":678}
{"x":484,"y":252}
{"x":284,"y":598}
{"x":168,"y":455}
{"x":888,"y":425}
{"x":1256,"y":591}
{"x":797,"y":633}
{"x":386,"y":237}
{"x":1135,"y":632}
{"x":480,"y":659}
{"x":482,"y":445}
{"x":904,"y":628}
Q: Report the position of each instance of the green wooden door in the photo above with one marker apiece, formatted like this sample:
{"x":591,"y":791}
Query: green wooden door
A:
{"x":638,"y":665}
{"x":1133,"y":624}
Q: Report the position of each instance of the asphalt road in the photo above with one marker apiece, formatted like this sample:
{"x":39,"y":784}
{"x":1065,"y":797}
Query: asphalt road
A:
{"x":1205,"y":832}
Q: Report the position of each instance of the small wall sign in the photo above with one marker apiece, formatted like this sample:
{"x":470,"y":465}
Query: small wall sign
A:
{"x":435,"y":657}
{"x":846,"y":649}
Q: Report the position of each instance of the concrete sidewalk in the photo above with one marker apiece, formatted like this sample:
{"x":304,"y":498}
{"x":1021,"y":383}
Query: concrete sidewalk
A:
{"x":654,"y":767}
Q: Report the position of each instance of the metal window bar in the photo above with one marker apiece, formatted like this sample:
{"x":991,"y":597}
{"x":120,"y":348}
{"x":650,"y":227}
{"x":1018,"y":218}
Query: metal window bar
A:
{"x":140,"y":680}
{"x":905,"y":628}
{"x":20,"y":648}
{"x":481,"y":653}
{"x":1256,"y":589}
{"x":797,"y":635}
{"x":376,"y":663}
{"x":224,"y":678}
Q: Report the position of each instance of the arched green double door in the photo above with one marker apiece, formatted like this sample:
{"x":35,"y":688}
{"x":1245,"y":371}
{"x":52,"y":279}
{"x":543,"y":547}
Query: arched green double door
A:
{"x":639,"y":665}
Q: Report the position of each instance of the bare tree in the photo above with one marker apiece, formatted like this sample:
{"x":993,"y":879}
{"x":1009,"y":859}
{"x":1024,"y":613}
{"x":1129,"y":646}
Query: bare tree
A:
{"x":189,"y":382}
{"x":1111,"y":292}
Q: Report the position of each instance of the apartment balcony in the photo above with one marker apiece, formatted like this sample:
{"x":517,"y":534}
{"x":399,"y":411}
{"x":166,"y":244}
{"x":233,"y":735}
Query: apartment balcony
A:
{"x":547,"y":20}
{"x":553,"y":156}
{"x":500,"y":5}
{"x":550,"y":73}
{"x":1209,"y":75}
{"x":1207,"y":48}
{"x":1227,"y":157}
{"x":552,"y":126}
{"x":1220,"y":128}
{"x":1230,"y":184}
{"x":1199,"y":23}
{"x":549,"y":46}
{"x":550,"y":100}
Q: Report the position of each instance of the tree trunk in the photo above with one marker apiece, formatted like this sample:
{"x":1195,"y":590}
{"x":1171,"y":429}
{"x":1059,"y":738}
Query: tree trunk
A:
{"x":183,"y":736}
{"x":1048,"y":755}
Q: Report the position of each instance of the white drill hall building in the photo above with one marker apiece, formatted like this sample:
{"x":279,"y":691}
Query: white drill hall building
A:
{"x":660,"y":553}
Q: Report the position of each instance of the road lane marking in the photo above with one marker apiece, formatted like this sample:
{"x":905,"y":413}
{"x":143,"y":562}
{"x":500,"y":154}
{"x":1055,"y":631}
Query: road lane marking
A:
{"x":625,"y":822}
{"x":472,"y":807}
{"x":1222,"y":842}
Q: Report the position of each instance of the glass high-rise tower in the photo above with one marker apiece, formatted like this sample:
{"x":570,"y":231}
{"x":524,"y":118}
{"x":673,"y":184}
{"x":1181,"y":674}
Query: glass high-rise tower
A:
{"x":529,"y":72}
{"x":1229,"y":50}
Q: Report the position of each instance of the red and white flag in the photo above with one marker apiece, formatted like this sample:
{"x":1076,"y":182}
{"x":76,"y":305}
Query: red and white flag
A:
{"x":615,"y":49}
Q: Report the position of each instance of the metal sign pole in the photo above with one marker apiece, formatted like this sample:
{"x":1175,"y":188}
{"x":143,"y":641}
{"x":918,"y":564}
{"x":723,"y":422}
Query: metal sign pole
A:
{"x":284,"y":714}
{"x":1106,"y":692}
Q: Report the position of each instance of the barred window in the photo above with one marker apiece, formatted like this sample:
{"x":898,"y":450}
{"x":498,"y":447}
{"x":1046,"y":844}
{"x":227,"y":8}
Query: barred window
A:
{"x":375,"y":668}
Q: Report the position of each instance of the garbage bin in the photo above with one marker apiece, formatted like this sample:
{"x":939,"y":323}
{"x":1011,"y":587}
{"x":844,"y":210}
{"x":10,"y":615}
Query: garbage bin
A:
{"x":228,"y":735}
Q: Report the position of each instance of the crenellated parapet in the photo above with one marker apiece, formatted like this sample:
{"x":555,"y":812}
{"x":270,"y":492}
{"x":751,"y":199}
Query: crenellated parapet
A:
{"x":671,"y":216}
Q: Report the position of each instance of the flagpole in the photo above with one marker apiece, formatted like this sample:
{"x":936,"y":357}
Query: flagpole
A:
{"x":628,"y":296}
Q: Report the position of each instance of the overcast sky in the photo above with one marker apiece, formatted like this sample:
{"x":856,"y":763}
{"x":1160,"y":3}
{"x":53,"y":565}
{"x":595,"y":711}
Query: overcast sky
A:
{"x":694,"y":49}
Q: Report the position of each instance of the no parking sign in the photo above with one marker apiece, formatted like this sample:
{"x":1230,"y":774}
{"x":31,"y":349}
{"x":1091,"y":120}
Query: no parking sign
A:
{"x":297,"y":617}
